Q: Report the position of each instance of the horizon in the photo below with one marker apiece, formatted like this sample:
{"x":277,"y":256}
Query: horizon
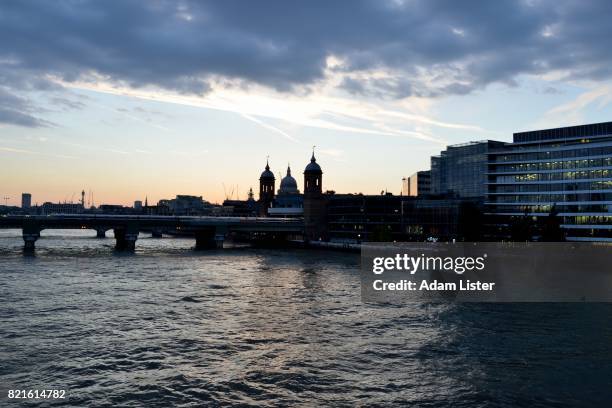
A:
{"x":132,"y":100}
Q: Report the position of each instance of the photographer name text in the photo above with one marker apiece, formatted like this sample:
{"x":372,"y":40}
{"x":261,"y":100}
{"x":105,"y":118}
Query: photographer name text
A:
{"x":434,"y":285}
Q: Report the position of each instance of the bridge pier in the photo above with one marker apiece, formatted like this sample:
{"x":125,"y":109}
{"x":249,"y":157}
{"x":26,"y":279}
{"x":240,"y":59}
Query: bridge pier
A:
{"x":156,"y":233}
{"x":219,"y":239}
{"x":29,"y":241}
{"x":100,"y":232}
{"x":125,"y":239}
{"x":30,"y":234}
{"x":206,"y":239}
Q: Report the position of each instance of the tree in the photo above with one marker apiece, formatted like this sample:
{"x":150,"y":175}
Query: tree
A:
{"x":551,"y":227}
{"x":471,"y":222}
{"x":522,"y":227}
{"x":381,"y":233}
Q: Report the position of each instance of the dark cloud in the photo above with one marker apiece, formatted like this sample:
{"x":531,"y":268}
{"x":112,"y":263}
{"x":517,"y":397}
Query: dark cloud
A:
{"x":14,"y":117}
{"x":551,"y":90}
{"x":430,"y":48}
{"x":384,"y":88}
{"x":15,"y":110}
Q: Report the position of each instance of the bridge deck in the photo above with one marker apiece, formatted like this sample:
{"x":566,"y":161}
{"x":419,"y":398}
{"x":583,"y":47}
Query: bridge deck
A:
{"x":152,"y":221}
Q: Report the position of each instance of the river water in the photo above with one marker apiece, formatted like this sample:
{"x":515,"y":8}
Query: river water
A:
{"x":170,"y":326}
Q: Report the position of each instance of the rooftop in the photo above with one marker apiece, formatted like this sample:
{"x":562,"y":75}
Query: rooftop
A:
{"x":563,"y":133}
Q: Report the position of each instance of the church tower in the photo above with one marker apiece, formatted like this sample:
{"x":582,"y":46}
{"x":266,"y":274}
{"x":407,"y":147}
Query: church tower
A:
{"x":266,"y":190}
{"x":315,"y":206}
{"x":313,"y":178}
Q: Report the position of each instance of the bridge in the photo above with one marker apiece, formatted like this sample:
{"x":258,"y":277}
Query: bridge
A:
{"x":209,"y":232}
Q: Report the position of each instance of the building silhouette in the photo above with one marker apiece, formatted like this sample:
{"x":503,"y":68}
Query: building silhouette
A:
{"x":419,"y":184}
{"x":266,"y":190}
{"x":288,"y":201}
{"x":26,"y":201}
{"x":315,"y":205}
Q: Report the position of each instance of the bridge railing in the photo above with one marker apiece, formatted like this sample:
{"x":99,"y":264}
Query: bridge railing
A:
{"x":152,"y":217}
{"x":127,"y":227}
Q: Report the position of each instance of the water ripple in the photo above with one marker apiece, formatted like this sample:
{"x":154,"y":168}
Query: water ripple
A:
{"x":171,"y":327}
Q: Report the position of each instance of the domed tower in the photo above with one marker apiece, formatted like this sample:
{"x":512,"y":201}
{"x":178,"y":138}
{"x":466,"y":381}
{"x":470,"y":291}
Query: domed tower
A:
{"x":288,"y":195}
{"x":288,"y":184}
{"x":266,"y":190}
{"x":315,"y":205}
{"x":313,"y":178}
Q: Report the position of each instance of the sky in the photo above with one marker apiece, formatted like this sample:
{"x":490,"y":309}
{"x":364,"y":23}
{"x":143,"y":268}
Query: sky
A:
{"x":135,"y":99}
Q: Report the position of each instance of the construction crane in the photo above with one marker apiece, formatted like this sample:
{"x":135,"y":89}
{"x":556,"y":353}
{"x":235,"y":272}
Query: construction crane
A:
{"x":231,"y":194}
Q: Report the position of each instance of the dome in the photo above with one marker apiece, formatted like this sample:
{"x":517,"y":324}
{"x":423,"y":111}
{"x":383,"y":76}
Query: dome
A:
{"x":288,"y":183}
{"x":267,"y":174}
{"x":313,"y":167}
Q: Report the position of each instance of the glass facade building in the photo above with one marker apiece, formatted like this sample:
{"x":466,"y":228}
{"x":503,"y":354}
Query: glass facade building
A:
{"x":460,"y":170}
{"x":436,"y":183}
{"x":419,"y":184}
{"x":569,"y":168}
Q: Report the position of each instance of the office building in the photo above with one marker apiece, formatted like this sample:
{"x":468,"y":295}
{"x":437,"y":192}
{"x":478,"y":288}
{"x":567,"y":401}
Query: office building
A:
{"x":49,"y":208}
{"x":438,"y":219}
{"x":567,"y":171}
{"x":437,"y":176}
{"x":186,"y":205}
{"x":460,"y":170}
{"x":361,"y":218}
{"x":26,"y":201}
{"x":114,"y":209}
{"x":419,"y":184}
{"x":358,"y":218}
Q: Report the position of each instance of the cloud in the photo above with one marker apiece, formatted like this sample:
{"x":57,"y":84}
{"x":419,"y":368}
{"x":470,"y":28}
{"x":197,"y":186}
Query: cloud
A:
{"x":372,"y":53}
{"x":601,"y":93}
{"x":316,"y":111}
{"x":269,"y":127}
{"x":572,"y":112}
{"x":15,"y":110}
{"x":31,"y":152}
{"x":96,"y":148}
{"x":66,"y":103}
{"x":426,"y":48}
{"x":13,"y":117}
{"x":397,"y":87}
{"x":551,"y":90}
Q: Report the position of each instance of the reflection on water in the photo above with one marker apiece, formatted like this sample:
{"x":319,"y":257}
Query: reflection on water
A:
{"x":170,"y":326}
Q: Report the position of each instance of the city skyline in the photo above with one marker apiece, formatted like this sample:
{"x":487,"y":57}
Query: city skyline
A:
{"x":195,"y":96}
